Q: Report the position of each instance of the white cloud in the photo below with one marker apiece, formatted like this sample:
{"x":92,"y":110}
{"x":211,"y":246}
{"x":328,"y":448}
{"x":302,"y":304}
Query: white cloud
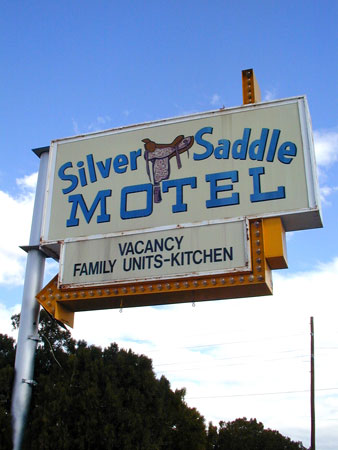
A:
{"x":100,"y":123}
{"x":103,"y":119}
{"x":269,"y":95}
{"x":326,"y":147}
{"x":75,"y":126}
{"x":215,"y":99}
{"x":5,"y":320}
{"x":326,"y":150}
{"x":28,"y":181}
{"x":15,"y":229}
{"x":326,"y":192}
{"x":223,"y":352}
{"x":242,"y":357}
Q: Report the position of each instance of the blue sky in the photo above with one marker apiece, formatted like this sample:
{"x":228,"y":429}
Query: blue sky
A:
{"x":72,"y":67}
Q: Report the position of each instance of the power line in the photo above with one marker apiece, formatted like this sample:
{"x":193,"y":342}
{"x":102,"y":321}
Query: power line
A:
{"x":260,"y":394}
{"x":255,"y":358}
{"x":218,"y":344}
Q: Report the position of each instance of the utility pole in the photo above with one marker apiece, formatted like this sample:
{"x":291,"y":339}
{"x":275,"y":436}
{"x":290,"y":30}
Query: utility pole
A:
{"x":29,"y":319}
{"x":313,"y":423}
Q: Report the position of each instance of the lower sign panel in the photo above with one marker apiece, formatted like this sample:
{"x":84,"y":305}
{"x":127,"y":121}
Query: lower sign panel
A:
{"x":156,"y":255}
{"x":63,"y":302}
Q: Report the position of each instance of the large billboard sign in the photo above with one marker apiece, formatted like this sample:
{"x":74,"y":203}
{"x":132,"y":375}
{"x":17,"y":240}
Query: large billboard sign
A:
{"x":250,"y":161}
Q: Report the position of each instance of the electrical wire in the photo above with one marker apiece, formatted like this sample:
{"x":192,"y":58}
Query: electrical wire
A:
{"x":260,"y":394}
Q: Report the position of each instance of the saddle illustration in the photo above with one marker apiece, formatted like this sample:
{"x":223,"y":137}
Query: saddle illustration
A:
{"x":159,"y":155}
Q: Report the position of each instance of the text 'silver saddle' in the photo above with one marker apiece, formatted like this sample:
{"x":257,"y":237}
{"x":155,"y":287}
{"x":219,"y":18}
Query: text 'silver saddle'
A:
{"x":160,"y":155}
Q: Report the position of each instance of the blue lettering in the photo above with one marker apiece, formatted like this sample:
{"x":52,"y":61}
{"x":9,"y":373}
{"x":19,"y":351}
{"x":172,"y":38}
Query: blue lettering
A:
{"x":222,"y":152}
{"x":257,"y":147}
{"x":82,"y":173}
{"x":72,"y":178}
{"x":91,"y":167}
{"x":77,"y":200}
{"x":259,"y":196}
{"x":148,"y":189}
{"x":120,"y":163}
{"x":178,"y":184}
{"x":273,"y":145}
{"x":208,"y":146}
{"x":104,"y":169}
{"x":214,"y":201}
{"x":240,"y":147}
{"x":133,"y":157}
{"x":285,"y":151}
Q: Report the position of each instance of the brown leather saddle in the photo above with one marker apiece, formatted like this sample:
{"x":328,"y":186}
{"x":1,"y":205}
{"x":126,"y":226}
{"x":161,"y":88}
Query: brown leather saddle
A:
{"x":159,"y":155}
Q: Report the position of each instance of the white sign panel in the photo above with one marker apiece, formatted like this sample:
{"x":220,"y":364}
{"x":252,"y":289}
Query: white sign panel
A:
{"x":181,"y":252}
{"x":250,"y":161}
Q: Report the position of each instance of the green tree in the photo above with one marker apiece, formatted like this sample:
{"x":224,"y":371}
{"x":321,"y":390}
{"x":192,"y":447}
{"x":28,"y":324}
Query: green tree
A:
{"x":212,"y":437}
{"x":89,"y":398}
{"x":7,"y":355}
{"x":243,"y":434}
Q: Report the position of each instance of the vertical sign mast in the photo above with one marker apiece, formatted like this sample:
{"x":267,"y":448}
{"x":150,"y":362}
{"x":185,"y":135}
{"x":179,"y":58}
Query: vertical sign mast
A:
{"x":251,"y":91}
{"x":29,"y":319}
{"x":313,"y":422}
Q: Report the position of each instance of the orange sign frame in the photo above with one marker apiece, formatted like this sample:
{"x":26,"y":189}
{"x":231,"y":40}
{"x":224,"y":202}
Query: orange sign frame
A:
{"x":267,"y":241}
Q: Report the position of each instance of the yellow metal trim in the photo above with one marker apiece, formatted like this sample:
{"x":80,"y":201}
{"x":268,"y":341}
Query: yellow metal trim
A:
{"x":62,"y":303}
{"x":274,"y":243}
{"x":251,"y":91}
{"x":64,"y":314}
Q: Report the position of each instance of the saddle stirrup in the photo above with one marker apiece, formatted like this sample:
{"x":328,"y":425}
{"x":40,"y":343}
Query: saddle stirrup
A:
{"x":157,"y":194}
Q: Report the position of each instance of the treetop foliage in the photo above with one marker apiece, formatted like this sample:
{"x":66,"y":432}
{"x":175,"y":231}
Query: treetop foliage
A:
{"x":93,"y":398}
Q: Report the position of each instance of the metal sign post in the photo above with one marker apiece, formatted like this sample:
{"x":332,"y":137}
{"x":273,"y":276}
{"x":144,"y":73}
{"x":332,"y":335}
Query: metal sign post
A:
{"x":29,"y":320}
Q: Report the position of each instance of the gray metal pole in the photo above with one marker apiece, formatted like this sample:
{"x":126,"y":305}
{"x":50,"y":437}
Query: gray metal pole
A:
{"x":29,"y":320}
